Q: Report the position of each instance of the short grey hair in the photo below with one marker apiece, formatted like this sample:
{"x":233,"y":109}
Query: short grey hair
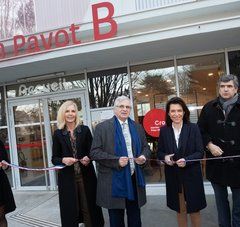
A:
{"x":120,"y":99}
{"x":227,"y":78}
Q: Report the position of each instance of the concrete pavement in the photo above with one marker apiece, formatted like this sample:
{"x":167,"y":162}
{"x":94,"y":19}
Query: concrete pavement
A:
{"x":41,"y":209}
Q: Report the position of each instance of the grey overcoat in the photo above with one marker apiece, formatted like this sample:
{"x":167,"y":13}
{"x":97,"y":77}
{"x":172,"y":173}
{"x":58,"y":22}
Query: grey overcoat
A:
{"x":103,"y":148}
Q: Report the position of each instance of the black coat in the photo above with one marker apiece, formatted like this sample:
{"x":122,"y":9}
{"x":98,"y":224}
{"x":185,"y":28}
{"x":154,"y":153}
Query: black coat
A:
{"x":66,"y":177}
{"x":222,"y":133}
{"x":189,"y":177}
{"x":6,"y":196}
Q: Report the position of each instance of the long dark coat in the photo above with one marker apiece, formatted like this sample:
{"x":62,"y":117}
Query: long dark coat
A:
{"x":224,"y":133}
{"x":189,"y":177}
{"x":66,"y":177}
{"x":6,"y":196}
{"x":103,"y":148}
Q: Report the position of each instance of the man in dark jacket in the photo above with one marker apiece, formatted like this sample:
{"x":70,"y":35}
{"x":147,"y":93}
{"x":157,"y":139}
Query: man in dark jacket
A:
{"x":219,"y":123}
{"x":120,"y":149}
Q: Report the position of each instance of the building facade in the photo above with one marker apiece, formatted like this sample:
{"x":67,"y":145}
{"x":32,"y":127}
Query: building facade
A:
{"x":93,"y":51}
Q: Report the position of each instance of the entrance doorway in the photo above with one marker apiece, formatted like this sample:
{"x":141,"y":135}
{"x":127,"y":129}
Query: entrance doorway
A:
{"x":32,"y":123}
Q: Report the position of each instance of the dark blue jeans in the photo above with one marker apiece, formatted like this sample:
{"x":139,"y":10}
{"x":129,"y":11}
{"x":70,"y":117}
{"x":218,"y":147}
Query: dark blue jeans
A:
{"x":223,"y":208}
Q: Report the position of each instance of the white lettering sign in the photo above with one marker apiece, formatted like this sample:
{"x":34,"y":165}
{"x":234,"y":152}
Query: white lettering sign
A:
{"x":44,"y":88}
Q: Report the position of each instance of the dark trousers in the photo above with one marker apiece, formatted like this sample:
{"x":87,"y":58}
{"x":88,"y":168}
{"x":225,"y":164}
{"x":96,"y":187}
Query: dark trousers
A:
{"x":82,"y":204}
{"x":3,"y":220}
{"x":116,"y":216}
{"x":223,"y":207}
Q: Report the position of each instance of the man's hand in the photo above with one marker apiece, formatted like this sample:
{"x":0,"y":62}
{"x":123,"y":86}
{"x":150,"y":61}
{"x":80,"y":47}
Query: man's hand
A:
{"x":214,"y":149}
{"x":181,"y":162}
{"x":68,"y":161}
{"x":85,"y":160}
{"x":123,"y":161}
{"x":140,"y":160}
{"x":3,"y":165}
{"x":168,"y":159}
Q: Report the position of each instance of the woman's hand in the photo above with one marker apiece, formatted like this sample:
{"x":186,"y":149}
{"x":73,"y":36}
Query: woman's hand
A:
{"x":181,"y":162}
{"x":85,"y":160}
{"x":68,"y":161}
{"x":168,"y":159}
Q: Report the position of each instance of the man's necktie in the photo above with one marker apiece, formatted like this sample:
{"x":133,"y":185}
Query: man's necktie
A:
{"x":127,"y":138}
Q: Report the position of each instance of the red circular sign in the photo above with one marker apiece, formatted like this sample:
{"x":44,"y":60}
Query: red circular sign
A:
{"x":153,"y":121}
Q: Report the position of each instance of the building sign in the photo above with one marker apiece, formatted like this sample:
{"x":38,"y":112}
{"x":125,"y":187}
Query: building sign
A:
{"x":23,"y":45}
{"x":46,"y":86}
{"x":153,"y":121}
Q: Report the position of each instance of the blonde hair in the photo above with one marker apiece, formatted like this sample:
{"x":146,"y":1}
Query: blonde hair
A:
{"x":61,"y":114}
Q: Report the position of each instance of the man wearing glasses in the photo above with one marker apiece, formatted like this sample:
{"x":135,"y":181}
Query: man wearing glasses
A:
{"x":120,"y":149}
{"x":219,"y":123}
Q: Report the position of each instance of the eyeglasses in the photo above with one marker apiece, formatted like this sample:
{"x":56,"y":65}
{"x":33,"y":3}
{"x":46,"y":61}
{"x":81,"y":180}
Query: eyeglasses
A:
{"x":122,"y":107}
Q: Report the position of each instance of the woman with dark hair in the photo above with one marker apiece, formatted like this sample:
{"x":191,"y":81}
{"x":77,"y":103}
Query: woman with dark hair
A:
{"x":7,"y":203}
{"x":179,"y":144}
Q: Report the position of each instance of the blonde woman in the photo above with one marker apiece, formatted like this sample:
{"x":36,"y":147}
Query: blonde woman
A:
{"x":77,"y":181}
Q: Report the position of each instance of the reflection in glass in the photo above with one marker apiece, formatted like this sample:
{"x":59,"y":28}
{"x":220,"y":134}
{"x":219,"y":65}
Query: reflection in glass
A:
{"x":26,"y":114}
{"x":234,"y":63}
{"x":18,"y":17}
{"x":105,"y":86}
{"x":198,"y":78}
{"x":31,"y":143}
{"x":152,"y":85}
{"x":30,"y":154}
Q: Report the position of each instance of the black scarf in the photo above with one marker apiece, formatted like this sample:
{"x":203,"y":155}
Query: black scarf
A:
{"x":228,"y":104}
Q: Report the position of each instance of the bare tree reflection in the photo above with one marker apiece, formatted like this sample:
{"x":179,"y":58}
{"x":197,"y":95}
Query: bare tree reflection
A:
{"x":104,"y":89}
{"x":16,"y":16}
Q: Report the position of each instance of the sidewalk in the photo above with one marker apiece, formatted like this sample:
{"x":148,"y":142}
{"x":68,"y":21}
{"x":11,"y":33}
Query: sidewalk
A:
{"x":41,"y":209}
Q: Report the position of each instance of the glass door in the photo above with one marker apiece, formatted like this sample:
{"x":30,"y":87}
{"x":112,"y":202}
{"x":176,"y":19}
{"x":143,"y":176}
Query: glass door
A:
{"x":29,"y":142}
{"x":32,"y":125}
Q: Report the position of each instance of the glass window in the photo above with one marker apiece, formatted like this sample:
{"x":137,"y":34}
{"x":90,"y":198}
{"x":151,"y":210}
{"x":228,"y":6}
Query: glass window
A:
{"x":152,"y":85}
{"x":234,"y":63}
{"x":18,"y":18}
{"x":105,"y":86}
{"x":198,"y":78}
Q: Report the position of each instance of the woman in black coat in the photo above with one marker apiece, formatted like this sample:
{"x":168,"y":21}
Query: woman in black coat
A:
{"x":7,"y":203}
{"x":77,"y":181}
{"x":180,"y":141}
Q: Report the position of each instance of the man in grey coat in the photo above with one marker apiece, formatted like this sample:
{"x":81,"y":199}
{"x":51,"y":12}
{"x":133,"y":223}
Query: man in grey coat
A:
{"x":120,"y":149}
